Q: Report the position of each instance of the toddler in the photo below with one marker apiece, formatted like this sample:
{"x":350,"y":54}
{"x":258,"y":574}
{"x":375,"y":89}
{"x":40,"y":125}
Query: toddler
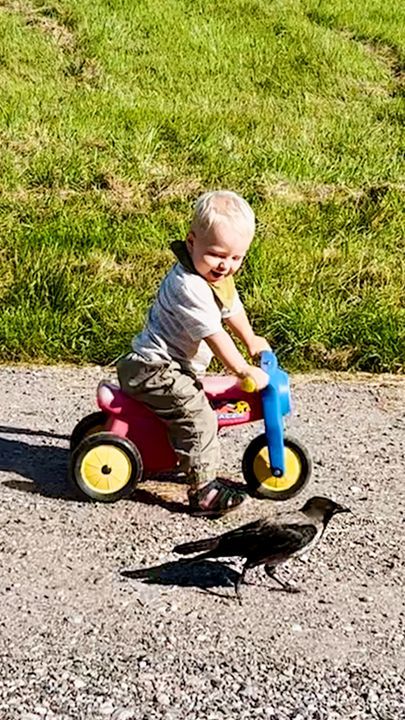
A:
{"x":185,"y":328}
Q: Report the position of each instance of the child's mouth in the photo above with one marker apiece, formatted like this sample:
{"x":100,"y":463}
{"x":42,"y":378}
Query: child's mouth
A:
{"x":217,"y":275}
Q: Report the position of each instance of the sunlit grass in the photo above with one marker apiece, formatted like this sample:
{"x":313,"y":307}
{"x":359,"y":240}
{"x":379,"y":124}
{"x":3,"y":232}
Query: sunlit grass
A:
{"x":114,"y":117}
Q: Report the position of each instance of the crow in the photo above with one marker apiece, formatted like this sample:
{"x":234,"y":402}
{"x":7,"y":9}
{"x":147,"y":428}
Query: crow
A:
{"x":269,"y":542}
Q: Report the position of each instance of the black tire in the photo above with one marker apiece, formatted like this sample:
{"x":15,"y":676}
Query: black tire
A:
{"x":108,"y":462}
{"x":95,"y":422}
{"x":257,"y":488}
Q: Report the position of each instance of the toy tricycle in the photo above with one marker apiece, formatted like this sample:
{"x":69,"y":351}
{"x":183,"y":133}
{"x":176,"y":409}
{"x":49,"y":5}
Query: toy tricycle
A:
{"x":113,"y":449}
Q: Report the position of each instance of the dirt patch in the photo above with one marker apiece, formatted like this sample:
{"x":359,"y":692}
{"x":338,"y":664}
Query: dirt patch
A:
{"x":308,"y":192}
{"x":35,"y":17}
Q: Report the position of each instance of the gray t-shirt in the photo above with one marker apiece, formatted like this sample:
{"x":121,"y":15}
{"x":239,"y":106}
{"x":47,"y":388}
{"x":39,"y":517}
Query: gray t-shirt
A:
{"x":184,"y":313}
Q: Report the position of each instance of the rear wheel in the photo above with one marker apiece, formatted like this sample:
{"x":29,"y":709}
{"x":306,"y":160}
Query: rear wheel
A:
{"x":95,"y":422}
{"x":105,"y":467}
{"x":257,"y":471}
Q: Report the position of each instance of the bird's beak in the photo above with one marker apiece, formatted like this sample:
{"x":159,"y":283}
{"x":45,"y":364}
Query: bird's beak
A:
{"x":341,"y":509}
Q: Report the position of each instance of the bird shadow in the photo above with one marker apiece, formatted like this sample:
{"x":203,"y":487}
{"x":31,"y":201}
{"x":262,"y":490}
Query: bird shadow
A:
{"x":203,"y":574}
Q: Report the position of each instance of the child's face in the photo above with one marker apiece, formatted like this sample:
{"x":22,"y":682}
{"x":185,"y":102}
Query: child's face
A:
{"x":217,"y":252}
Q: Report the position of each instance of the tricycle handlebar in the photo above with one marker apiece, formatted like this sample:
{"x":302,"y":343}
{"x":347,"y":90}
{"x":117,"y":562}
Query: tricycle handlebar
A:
{"x":268,"y":363}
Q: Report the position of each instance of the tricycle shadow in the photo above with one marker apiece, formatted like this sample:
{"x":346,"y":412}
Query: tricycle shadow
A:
{"x":43,"y":466}
{"x":44,"y":469}
{"x":168,"y":491}
{"x":159,"y":497}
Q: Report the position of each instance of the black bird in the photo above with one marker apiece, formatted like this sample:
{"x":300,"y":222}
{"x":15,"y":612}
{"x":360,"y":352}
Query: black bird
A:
{"x":269,"y":542}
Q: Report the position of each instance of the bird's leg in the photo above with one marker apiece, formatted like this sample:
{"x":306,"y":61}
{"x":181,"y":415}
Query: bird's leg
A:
{"x":270,"y":571}
{"x":239,"y":582}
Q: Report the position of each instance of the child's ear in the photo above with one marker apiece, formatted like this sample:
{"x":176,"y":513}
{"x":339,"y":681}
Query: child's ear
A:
{"x":190,"y":240}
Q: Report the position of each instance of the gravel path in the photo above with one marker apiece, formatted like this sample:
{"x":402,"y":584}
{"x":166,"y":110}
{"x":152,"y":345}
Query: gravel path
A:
{"x":78,"y":640}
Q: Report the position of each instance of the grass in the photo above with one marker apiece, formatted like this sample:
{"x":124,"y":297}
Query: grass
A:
{"x":114,"y":116}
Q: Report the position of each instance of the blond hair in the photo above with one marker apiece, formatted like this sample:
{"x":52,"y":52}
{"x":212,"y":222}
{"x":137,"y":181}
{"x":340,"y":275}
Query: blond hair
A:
{"x":219,"y":205}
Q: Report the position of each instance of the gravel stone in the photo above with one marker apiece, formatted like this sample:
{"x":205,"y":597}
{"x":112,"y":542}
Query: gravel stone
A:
{"x":78,"y":641}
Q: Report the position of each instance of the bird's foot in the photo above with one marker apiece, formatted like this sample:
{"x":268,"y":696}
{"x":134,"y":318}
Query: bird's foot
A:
{"x":270,"y":571}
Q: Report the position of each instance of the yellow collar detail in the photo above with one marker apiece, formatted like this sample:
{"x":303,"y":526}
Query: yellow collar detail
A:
{"x":224,"y":290}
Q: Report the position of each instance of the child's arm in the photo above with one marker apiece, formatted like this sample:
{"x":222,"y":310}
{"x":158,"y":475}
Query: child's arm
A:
{"x":240,"y":325}
{"x":225,"y":350}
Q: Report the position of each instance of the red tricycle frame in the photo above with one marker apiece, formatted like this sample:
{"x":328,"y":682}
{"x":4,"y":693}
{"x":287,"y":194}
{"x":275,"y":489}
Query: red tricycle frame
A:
{"x":113,"y":449}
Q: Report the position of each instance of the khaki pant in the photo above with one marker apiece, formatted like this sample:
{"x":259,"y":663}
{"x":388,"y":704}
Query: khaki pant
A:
{"x":177,"y":396}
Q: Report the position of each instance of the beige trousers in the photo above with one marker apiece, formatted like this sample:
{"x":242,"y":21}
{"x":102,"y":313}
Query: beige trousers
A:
{"x":178,"y":398}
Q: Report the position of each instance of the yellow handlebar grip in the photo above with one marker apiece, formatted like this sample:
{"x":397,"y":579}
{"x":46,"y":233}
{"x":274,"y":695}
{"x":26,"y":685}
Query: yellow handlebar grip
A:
{"x":248,"y":385}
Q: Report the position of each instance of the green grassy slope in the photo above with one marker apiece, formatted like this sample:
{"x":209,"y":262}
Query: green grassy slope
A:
{"x":115,"y":115}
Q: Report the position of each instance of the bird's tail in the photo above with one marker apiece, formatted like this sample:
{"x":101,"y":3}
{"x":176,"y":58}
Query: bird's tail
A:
{"x":196,"y":546}
{"x":149,"y":573}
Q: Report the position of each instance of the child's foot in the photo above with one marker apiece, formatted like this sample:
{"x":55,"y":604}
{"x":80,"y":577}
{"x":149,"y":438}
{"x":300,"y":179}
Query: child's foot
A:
{"x":216,"y":498}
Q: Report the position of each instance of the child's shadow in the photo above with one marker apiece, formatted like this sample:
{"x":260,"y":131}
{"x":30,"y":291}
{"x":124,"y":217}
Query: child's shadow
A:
{"x":44,"y":468}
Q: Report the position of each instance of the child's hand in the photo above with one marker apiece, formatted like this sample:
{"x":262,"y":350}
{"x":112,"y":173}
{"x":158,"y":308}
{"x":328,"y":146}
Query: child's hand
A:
{"x":259,"y":377}
{"x":257,"y":345}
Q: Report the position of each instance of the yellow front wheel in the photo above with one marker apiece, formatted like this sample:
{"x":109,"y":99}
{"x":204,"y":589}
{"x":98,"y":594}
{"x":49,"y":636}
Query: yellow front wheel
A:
{"x":257,"y":470}
{"x":105,"y":467}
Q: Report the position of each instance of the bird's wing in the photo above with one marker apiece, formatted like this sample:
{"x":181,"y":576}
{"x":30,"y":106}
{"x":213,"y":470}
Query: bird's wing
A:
{"x":263,"y":539}
{"x":238,"y":541}
{"x":204,"y":545}
{"x":292,"y":537}
{"x":215,"y":543}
